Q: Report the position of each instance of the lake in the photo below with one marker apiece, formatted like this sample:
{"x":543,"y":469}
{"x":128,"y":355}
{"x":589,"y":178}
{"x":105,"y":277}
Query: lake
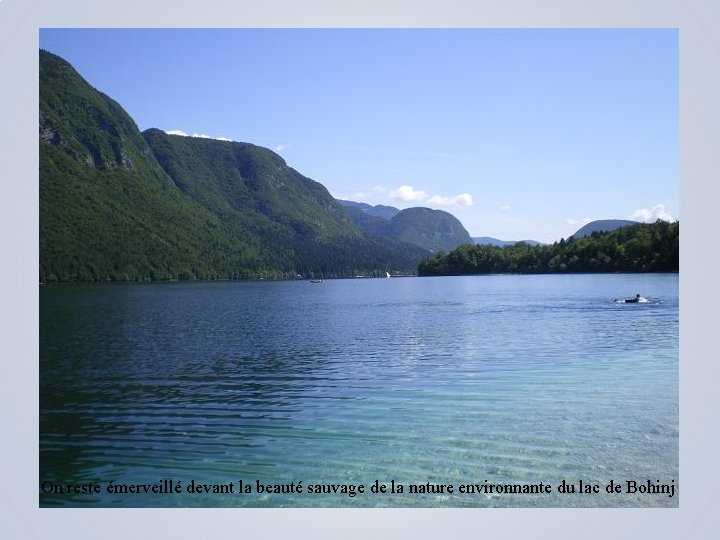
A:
{"x":477,"y":381}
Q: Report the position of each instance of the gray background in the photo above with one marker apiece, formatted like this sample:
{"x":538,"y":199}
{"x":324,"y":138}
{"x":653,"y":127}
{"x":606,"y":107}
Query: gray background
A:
{"x":700,"y":269}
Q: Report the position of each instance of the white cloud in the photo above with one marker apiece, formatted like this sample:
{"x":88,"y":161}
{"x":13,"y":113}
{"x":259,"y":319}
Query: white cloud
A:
{"x":653,"y":214}
{"x":198,"y":135}
{"x":505,"y":207}
{"x":409,"y":194}
{"x":280,"y":147}
{"x":462,"y":200}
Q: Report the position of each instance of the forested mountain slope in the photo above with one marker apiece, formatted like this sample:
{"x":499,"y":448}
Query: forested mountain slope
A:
{"x":117,"y":204}
{"x":432,"y":230}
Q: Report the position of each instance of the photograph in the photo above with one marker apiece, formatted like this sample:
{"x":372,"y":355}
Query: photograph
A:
{"x":359,"y":268}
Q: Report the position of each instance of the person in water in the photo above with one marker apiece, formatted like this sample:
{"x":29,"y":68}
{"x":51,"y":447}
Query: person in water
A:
{"x":630,"y":300}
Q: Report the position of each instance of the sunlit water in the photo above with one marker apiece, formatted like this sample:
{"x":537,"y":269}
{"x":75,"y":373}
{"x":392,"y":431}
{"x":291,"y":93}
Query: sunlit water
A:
{"x":509,"y":379}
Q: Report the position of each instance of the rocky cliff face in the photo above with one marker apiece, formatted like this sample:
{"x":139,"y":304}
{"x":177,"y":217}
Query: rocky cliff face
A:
{"x":86,"y":124}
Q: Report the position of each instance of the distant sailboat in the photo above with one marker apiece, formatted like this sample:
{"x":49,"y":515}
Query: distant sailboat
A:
{"x":387,"y":274}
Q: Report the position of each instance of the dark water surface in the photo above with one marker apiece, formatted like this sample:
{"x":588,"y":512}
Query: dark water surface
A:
{"x":509,"y":379}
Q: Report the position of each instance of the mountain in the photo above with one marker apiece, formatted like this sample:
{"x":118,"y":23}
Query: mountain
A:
{"x":117,"y":204}
{"x":250,"y":187}
{"x":489,"y":241}
{"x":602,"y":225}
{"x":371,"y":224}
{"x":379,"y":210}
{"x":432,"y":230}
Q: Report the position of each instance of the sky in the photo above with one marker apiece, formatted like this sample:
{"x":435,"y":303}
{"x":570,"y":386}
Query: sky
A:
{"x":519,"y":133}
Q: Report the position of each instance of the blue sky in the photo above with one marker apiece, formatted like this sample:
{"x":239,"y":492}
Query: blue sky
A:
{"x":518,"y":133}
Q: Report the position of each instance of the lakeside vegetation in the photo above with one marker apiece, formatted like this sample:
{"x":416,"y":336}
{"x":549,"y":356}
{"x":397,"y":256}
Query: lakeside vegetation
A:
{"x":644,"y":247}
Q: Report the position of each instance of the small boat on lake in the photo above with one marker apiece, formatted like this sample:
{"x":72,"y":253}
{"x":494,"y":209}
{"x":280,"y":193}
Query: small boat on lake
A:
{"x":637,"y":300}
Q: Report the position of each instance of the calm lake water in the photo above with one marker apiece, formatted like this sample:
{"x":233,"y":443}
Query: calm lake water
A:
{"x":451,"y":380}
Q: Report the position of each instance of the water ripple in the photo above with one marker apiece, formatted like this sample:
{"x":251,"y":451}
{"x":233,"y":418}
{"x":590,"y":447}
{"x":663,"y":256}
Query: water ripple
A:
{"x":513,"y":379}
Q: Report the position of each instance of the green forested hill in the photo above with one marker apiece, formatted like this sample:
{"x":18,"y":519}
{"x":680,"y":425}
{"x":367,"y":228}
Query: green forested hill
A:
{"x":602,"y":225}
{"x":116,"y":204}
{"x":250,"y":186}
{"x":432,"y":230}
{"x":86,"y":124}
{"x":644,"y":247}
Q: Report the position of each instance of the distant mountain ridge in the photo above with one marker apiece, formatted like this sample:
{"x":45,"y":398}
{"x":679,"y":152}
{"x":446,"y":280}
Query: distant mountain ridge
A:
{"x":490,"y":241}
{"x":602,"y":225}
{"x":433,"y":230}
{"x":379,"y":210}
{"x":117,"y":204}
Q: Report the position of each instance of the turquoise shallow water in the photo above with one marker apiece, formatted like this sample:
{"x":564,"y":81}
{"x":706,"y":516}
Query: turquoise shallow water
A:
{"x":447,"y":381}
